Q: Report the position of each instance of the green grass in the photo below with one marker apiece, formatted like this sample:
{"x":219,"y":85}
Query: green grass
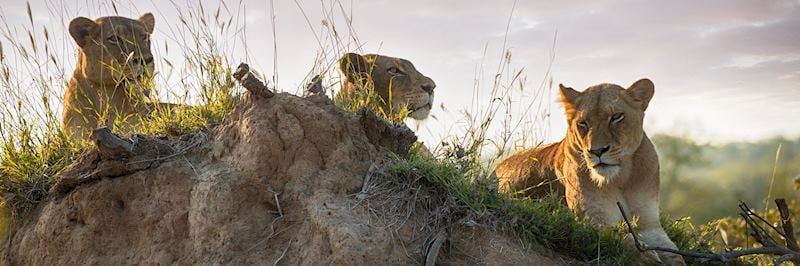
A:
{"x":34,"y":149}
{"x":28,"y":165}
{"x":366,"y":97}
{"x":546,"y":222}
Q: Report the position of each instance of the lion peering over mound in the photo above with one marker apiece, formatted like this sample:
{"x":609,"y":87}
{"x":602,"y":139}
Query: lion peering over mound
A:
{"x":396,"y":81}
{"x":114,"y":59}
{"x":605,"y":157}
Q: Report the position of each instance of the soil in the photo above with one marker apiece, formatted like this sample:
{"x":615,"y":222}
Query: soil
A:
{"x":283,"y":180}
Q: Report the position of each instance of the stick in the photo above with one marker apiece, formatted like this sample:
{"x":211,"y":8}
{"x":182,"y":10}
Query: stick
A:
{"x":109,"y":145}
{"x":785,"y":254}
{"x":433,"y":252}
{"x":251,"y":82}
{"x":786,"y":223}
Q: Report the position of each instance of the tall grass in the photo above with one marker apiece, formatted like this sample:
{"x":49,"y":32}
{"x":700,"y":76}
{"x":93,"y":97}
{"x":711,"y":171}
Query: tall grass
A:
{"x":33,"y":147}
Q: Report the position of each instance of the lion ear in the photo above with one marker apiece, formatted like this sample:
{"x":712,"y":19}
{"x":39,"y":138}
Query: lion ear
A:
{"x":148,"y":21}
{"x":569,"y":97}
{"x":641,"y":92}
{"x":353,"y":64}
{"x":83,"y":30}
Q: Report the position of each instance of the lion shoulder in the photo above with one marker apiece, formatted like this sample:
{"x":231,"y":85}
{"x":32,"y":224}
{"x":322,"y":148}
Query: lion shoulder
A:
{"x":532,"y":170}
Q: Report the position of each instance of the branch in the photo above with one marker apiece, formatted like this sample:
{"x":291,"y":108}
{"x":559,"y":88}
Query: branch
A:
{"x":763,"y":235}
{"x":786,"y":223}
{"x":785,"y":254}
{"x":433,"y":252}
{"x":109,"y":145}
{"x":251,"y":82}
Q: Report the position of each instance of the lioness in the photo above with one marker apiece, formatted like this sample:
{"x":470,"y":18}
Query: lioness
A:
{"x":395,"y":80}
{"x":605,"y":158}
{"x":114,"y":57}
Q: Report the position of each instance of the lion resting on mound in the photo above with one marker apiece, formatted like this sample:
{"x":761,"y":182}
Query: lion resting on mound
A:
{"x":605,"y":158}
{"x":397,"y":83}
{"x":114,"y":59}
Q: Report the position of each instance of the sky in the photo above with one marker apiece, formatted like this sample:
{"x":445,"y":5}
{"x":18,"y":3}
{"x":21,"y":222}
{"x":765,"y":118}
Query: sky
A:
{"x":723,"y":70}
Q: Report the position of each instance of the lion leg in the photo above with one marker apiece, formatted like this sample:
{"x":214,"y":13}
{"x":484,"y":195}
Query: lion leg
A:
{"x":601,"y":208}
{"x":653,"y":233}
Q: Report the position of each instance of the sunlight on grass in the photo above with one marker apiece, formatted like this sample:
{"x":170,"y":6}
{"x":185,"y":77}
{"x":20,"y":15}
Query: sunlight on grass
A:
{"x":546,"y":222}
{"x":33,"y":147}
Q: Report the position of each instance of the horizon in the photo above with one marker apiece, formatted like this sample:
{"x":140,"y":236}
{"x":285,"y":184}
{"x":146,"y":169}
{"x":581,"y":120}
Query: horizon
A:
{"x":724,"y":71}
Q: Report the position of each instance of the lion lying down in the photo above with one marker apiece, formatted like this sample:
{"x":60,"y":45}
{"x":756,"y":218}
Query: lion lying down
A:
{"x":397,"y":83}
{"x":605,"y":158}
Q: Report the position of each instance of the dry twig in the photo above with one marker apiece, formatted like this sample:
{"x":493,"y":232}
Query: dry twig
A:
{"x":433,"y":251}
{"x":251,"y":82}
{"x":786,"y":224}
{"x":109,"y":145}
{"x":762,"y":236}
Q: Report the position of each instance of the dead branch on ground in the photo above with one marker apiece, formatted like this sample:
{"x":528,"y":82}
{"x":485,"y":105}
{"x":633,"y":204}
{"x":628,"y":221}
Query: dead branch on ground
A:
{"x":786,"y":253}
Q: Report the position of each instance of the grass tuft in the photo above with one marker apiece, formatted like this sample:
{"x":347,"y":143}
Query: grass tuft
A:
{"x":33,"y":146}
{"x":28,"y":165}
{"x":546,"y":222}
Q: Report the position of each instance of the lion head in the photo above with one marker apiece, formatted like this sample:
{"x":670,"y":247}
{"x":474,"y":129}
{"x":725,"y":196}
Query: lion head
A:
{"x":114,"y":49}
{"x":605,"y":124}
{"x":395,"y":80}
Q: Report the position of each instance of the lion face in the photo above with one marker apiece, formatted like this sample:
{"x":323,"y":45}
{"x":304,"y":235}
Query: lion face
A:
{"x":116,"y":49}
{"x":605,"y":124}
{"x":396,"y":80}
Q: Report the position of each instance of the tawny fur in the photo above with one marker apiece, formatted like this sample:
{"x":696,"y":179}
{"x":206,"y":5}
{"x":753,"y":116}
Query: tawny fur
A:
{"x":113,"y":59}
{"x":607,"y":120}
{"x":395,"y":80}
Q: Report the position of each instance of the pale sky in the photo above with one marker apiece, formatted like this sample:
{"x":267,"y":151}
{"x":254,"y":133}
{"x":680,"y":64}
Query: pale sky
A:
{"x":724,"y":70}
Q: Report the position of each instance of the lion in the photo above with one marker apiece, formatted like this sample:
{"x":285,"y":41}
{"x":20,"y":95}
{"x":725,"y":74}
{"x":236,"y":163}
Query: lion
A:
{"x":114,"y":60}
{"x":396,"y":82}
{"x":605,"y":158}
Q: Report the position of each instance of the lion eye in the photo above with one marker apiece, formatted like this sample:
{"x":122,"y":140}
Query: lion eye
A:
{"x":395,"y":71}
{"x":112,"y":40}
{"x":583,"y":124}
{"x":617,"y":117}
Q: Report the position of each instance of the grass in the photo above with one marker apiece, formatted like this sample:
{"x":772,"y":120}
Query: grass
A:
{"x":366,"y":97}
{"x":546,"y":222}
{"x":33,"y":147}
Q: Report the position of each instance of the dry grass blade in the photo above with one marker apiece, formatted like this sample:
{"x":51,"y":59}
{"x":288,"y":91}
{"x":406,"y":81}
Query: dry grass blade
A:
{"x":433,"y":251}
{"x":30,"y":14}
{"x":772,"y":179}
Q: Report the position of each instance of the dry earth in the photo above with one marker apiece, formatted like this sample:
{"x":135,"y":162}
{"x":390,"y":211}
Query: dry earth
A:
{"x":283,"y":180}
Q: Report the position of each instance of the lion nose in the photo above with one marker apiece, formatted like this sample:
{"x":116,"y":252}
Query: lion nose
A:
{"x":599,"y":151}
{"x":428,"y":87}
{"x":143,"y":61}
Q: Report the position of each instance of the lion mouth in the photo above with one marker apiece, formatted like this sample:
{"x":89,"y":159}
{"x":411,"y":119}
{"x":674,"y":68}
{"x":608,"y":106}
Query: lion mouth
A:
{"x":602,"y":165}
{"x":421,"y":107}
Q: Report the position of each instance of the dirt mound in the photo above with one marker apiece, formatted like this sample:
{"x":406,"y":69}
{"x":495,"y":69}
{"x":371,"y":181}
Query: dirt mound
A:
{"x":283,"y":180}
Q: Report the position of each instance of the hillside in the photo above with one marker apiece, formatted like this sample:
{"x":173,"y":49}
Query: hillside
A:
{"x":282,"y":179}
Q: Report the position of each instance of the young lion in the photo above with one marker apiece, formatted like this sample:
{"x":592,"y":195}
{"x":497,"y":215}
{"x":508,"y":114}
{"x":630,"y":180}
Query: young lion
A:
{"x":605,"y":158}
{"x":395,"y":80}
{"x":114,"y":57}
